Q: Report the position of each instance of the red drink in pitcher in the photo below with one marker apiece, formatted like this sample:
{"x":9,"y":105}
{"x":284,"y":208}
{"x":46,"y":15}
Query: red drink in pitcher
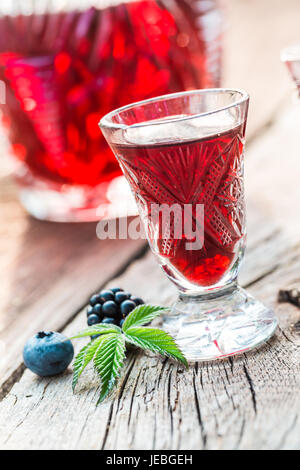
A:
{"x":64,"y":70}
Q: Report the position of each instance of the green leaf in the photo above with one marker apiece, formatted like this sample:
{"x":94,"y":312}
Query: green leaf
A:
{"x":108,"y":360}
{"x":98,"y":329}
{"x":141,"y":315}
{"x":82,"y":359}
{"x":155,"y":340}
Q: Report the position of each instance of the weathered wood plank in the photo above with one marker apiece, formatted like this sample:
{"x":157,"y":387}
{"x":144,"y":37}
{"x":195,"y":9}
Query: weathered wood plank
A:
{"x":228,"y":404}
{"x":48,"y":273}
{"x":245,"y":402}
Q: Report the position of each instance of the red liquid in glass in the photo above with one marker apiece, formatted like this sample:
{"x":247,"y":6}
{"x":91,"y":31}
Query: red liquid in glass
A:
{"x":65,"y":71}
{"x":207,"y":171}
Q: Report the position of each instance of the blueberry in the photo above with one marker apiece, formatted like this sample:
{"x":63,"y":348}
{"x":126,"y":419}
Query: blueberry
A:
{"x":97,"y":309}
{"x":121,"y":296}
{"x":122,"y":322}
{"x":93,"y":300}
{"x":89,"y":310}
{"x":110,"y":308}
{"x":48,"y":353}
{"x":127,"y":306}
{"x":108,"y":321}
{"x":137,"y":300}
{"x":106,"y":295}
{"x":93,"y":319}
{"x":116,"y":289}
{"x":95,"y":336}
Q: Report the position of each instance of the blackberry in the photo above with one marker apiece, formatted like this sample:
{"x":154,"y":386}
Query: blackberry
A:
{"x":127,"y":306}
{"x":93,"y":319}
{"x":97,"y":309}
{"x":106,"y":295}
{"x":89,"y":311}
{"x":94,"y":300}
{"x":137,"y":300}
{"x":111,"y":306}
{"x":121,"y":296}
{"x":109,"y":321}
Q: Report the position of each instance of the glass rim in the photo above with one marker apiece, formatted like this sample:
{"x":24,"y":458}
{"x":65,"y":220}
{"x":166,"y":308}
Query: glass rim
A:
{"x":291,"y":52}
{"x":106,"y":120}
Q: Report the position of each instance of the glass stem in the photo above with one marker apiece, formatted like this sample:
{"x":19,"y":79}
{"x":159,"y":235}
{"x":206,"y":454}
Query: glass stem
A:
{"x":210,"y":295}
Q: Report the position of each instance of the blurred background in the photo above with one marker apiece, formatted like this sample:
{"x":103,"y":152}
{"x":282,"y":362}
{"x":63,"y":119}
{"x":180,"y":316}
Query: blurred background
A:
{"x":66,"y":63}
{"x":255,"y":33}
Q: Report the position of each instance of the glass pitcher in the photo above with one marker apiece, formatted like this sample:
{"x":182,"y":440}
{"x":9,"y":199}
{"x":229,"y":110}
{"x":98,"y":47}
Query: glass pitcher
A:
{"x":67,"y":63}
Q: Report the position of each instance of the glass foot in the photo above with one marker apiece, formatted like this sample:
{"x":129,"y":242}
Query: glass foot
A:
{"x":209,"y":328}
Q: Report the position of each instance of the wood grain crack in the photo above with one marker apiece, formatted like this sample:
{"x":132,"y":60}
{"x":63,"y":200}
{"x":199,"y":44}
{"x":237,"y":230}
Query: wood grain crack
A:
{"x":169,"y":399}
{"x":288,"y":339}
{"x":251,"y":386}
{"x":107,"y":425}
{"x":124,"y":382}
{"x":263,"y":276}
{"x":241,"y":434}
{"x":10,"y":382}
{"x":132,"y":396}
{"x":230,"y":360}
{"x":161,"y":372}
{"x":202,"y":430}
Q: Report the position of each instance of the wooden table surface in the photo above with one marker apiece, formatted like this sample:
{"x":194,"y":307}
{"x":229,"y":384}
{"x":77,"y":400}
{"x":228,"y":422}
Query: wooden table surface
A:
{"x":48,"y":271}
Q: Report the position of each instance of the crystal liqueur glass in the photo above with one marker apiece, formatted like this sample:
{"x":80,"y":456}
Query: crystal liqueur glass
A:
{"x":182,"y":155}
